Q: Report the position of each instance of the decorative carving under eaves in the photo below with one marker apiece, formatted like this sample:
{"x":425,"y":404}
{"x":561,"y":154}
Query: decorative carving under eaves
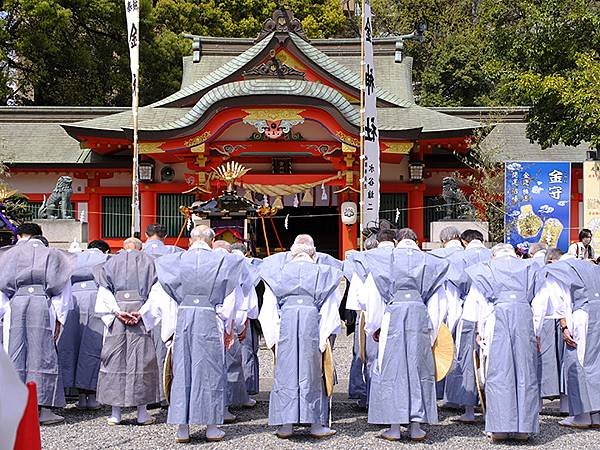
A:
{"x":289,"y":136}
{"x":323,"y":149}
{"x":227,"y":149}
{"x":282,"y":21}
{"x":273,"y":68}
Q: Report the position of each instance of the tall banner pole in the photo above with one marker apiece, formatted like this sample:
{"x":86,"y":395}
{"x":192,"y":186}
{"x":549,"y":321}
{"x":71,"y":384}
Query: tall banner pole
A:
{"x":362,"y":126}
{"x":369,"y":127}
{"x":132,"y":9}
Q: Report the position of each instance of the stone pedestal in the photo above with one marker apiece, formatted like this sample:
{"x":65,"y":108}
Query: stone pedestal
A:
{"x":436,"y":227}
{"x":61,"y":232}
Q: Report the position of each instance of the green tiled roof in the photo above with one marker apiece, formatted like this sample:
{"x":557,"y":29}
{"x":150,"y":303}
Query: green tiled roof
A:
{"x":270,"y":86}
{"x":218,"y":75}
{"x":417,"y":116}
{"x":341,"y":72}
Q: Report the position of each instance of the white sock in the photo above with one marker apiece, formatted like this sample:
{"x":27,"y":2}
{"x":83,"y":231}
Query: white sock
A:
{"x":317,"y":428}
{"x":469,"y":413}
{"x":596,"y":418}
{"x":393,"y":431}
{"x":142,"y":414}
{"x":286,"y":429}
{"x":582,"y":418}
{"x":91,"y":400}
{"x":183,"y":431}
{"x":227,"y":415}
{"x":415,"y":431}
{"x":116,"y":414}
{"x":214,"y":432}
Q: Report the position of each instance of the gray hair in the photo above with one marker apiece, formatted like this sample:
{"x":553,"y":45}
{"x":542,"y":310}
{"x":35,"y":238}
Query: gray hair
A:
{"x":552,"y":255}
{"x":239,"y":247}
{"x":222,"y":245}
{"x":537,"y":247}
{"x":370,"y":242}
{"x":502,"y":249}
{"x":132,"y":243}
{"x":202,"y":233}
{"x":406,"y":233}
{"x":449,"y":234}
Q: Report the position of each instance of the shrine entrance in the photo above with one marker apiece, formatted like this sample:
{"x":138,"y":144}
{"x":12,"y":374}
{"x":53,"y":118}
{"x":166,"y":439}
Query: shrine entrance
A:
{"x":321,"y":222}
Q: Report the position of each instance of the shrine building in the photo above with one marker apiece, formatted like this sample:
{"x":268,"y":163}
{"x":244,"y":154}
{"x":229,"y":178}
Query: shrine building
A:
{"x":281,"y":105}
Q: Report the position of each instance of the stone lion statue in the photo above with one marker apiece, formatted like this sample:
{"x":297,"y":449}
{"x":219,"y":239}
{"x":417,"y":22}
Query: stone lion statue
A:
{"x":457,"y":205}
{"x":58,"y":205}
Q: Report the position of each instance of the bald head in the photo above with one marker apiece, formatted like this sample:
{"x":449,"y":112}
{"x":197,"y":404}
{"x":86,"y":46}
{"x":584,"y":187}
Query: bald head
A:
{"x":305,"y":239}
{"x":202,"y":233}
{"x":222,"y":245}
{"x":537,"y":247}
{"x":132,"y":244}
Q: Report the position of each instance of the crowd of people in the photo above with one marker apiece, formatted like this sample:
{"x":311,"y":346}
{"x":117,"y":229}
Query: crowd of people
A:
{"x":154,"y":324}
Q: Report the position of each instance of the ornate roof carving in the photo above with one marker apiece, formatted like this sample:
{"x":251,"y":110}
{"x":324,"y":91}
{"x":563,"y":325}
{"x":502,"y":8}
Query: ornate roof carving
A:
{"x":282,"y":21}
{"x":273,"y":68}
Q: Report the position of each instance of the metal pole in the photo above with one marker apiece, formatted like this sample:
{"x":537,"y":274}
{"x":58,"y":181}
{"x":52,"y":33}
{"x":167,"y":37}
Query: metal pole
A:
{"x":135,"y":170}
{"x":362,"y":124}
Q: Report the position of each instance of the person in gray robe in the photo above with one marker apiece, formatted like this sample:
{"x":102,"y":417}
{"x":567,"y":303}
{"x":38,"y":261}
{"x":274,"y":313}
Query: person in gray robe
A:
{"x":197,"y":298}
{"x":80,"y":343}
{"x":499,"y":301}
{"x":364,"y":351}
{"x":34,"y":300}
{"x":451,"y":250}
{"x":250,"y":361}
{"x":155,"y":246}
{"x":128,"y":368}
{"x":572,"y":290}
{"x":405,"y":305}
{"x":299,"y":314}
{"x":460,"y":385}
{"x":549,"y":358}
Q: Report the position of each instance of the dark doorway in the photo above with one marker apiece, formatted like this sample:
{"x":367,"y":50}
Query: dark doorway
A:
{"x":321,"y":222}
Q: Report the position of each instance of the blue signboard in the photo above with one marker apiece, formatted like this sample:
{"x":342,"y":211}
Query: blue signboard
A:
{"x":537,"y":202}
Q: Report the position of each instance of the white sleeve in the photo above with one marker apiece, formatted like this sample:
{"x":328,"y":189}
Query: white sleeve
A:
{"x":354,"y":294}
{"x":374,"y":306}
{"x":454,"y":306}
{"x":228,"y":309}
{"x":560,"y":300}
{"x":437,"y":307}
{"x":539,"y":307}
{"x":471,"y":306}
{"x":253,"y":305}
{"x":62,"y":303}
{"x":106,"y":306}
{"x":160,"y":307}
{"x":330,"y":321}
{"x":3,"y":304}
{"x":269,"y":318}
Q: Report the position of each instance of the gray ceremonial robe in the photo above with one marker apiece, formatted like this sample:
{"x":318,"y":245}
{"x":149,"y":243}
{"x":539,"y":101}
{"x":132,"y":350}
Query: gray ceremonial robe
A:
{"x":198,"y":281}
{"x":31,"y":276}
{"x":301,"y":289}
{"x":157,"y":248}
{"x":80,"y":343}
{"x":511,"y":387}
{"x":582,"y":378}
{"x":403,"y":381}
{"x":128,"y":368}
{"x":461,"y":387}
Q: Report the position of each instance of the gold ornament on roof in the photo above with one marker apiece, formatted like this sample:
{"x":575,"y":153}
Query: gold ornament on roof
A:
{"x":6,"y":193}
{"x":230,"y":172}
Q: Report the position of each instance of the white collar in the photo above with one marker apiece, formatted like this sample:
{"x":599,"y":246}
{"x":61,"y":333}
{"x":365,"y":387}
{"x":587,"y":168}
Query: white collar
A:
{"x":567,"y":256}
{"x":502,"y":253}
{"x":303,"y":257}
{"x":200,"y":244}
{"x":540,"y":254}
{"x":385,"y":244}
{"x":475,"y":243}
{"x":408,"y":243}
{"x":453,"y":243}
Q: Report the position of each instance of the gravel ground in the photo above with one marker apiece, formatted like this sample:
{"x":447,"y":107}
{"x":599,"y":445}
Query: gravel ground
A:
{"x":89,"y":430}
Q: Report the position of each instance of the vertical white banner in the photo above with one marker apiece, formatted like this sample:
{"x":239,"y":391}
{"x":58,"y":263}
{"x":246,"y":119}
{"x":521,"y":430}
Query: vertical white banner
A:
{"x":132,"y":9}
{"x":370,"y":131}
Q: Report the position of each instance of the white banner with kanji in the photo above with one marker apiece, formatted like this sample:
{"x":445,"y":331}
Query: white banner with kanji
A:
{"x":370,"y":207}
{"x":132,"y":9}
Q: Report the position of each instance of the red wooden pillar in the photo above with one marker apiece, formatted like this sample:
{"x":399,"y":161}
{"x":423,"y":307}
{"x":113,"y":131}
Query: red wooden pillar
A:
{"x":576,"y":197}
{"x":348,"y":233}
{"x":416,"y":212}
{"x":147,"y":207}
{"x":94,"y":210}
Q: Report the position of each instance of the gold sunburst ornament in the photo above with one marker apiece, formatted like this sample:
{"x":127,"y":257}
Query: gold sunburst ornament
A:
{"x":230,"y":172}
{"x":6,"y":192}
